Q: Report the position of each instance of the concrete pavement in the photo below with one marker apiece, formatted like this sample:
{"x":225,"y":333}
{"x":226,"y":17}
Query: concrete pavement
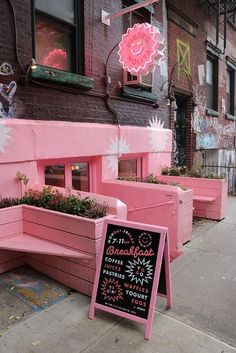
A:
{"x":202,"y":320}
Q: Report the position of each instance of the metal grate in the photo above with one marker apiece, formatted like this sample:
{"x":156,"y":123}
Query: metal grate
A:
{"x":226,"y":170}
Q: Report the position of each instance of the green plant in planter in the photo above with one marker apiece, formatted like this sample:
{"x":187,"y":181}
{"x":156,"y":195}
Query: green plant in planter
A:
{"x":152,"y":179}
{"x":176,"y":171}
{"x":194,"y":172}
{"x":54,"y":200}
{"x":8,"y":202}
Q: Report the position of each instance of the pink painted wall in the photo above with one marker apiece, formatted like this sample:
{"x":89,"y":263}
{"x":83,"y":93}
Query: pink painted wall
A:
{"x":26,"y":143}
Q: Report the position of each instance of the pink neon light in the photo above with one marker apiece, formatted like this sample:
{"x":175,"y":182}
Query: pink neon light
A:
{"x":56,"y":58}
{"x":138,"y":48}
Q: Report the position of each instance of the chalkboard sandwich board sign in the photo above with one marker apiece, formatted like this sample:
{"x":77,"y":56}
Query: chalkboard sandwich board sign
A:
{"x":133,"y":268}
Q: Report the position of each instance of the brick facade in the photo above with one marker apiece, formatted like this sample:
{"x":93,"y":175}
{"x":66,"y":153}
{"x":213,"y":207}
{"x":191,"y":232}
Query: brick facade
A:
{"x":39,"y":102}
{"x":190,"y":26}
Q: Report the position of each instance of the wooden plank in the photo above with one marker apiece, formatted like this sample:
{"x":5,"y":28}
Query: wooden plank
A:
{"x":71,"y":240}
{"x":62,"y":277}
{"x":27,"y":243}
{"x":60,"y":221}
{"x":65,"y":265}
{"x":202,"y":198}
{"x":10,"y":214}
{"x":7,"y":266}
{"x":10,"y":229}
{"x":6,"y":256}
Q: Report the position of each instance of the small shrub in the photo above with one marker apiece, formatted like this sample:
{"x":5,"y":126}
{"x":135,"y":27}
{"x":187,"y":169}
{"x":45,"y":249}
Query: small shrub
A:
{"x":175,"y":171}
{"x":56,"y":201}
{"x":8,"y":202}
{"x":195,"y":172}
{"x":152,"y":179}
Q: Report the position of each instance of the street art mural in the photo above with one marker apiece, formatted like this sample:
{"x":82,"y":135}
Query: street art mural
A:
{"x":183,"y":58}
{"x":9,"y":106}
{"x":210,"y":131}
{"x":157,"y":140}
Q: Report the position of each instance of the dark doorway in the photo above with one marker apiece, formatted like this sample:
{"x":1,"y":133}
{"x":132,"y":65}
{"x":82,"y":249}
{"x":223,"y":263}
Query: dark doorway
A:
{"x":180,"y":130}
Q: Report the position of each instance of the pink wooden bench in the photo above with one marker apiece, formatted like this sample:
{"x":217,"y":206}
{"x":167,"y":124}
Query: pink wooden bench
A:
{"x":27,"y":243}
{"x":62,"y":246}
{"x":201,"y":198}
{"x":209,"y":195}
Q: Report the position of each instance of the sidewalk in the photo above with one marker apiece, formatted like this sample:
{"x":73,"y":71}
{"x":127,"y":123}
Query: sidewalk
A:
{"x":202,"y":320}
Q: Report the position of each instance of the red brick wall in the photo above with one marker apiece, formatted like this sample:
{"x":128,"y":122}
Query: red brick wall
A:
{"x":43,"y":103}
{"x":219,"y":126}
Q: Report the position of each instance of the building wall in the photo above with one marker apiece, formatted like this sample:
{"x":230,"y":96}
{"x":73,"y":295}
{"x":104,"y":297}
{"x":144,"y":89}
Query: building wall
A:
{"x":38,"y":102}
{"x":191,"y":25}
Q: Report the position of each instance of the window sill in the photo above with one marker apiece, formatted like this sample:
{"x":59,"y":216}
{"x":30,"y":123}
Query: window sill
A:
{"x":232,"y":24}
{"x":52,"y":75}
{"x":212,"y":112}
{"x":230,"y":117}
{"x":132,"y":93}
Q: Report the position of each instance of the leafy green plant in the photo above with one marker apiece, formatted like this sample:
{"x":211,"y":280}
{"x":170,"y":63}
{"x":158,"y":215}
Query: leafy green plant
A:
{"x":8,"y":202}
{"x":152,"y":179}
{"x":54,"y":200}
{"x":171,"y":171}
{"x":195,"y":172}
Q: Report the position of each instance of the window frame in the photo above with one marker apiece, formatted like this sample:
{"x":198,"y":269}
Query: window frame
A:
{"x":67,"y":168}
{"x":77,"y":47}
{"x":231,"y":95}
{"x":136,"y":91}
{"x":214,"y":61}
{"x":132,"y":157}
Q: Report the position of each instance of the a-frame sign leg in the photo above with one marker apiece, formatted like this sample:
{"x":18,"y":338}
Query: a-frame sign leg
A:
{"x":167,"y":273}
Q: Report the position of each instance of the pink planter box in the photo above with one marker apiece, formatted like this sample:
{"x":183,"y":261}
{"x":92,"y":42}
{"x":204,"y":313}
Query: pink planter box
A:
{"x":156,"y":204}
{"x":209,"y":195}
{"x":73,"y":232}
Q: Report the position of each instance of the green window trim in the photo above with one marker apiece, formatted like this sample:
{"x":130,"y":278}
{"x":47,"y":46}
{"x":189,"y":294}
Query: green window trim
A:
{"x":54,"y":76}
{"x":134,"y":94}
{"x":230,"y":117}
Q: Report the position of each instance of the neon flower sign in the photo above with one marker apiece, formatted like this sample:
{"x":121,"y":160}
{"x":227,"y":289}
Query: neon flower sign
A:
{"x":139,"y":48}
{"x":56,"y":58}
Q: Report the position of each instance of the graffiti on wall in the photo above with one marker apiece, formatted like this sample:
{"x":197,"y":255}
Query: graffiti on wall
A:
{"x":9,"y":106}
{"x":210,"y":131}
{"x":183,"y":58}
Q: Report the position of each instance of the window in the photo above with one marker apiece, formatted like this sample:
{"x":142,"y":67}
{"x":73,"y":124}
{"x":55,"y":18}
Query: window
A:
{"x":211,"y":82}
{"x":80,"y":176}
{"x":230,"y":91}
{"x":55,"y":175}
{"x":73,"y":175}
{"x":58,"y":34}
{"x":129,"y":168}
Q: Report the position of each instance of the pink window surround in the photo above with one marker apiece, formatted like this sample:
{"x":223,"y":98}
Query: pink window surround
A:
{"x":132,"y":158}
{"x":68,"y":178}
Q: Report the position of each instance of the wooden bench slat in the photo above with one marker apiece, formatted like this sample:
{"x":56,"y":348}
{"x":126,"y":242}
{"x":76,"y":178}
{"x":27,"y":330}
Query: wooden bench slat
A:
{"x":201,"y":198}
{"x":23,"y":242}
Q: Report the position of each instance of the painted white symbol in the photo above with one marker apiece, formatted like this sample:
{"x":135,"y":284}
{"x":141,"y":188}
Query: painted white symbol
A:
{"x":140,"y":271}
{"x":4,"y":136}
{"x":158,"y":140}
{"x":116,"y":148}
